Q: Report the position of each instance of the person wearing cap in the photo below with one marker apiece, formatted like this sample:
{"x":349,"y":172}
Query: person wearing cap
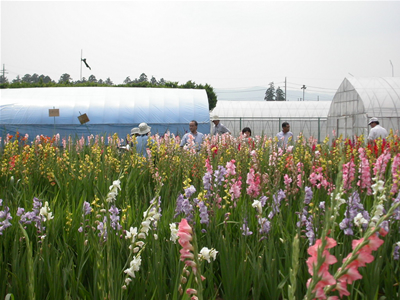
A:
{"x":194,"y":135}
{"x":377,"y":131}
{"x":284,"y":135}
{"x":219,"y":128}
{"x":142,"y":140}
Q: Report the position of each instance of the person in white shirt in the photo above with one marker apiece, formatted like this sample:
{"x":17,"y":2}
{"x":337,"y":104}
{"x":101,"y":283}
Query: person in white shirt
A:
{"x":194,"y":135}
{"x":284,"y":135}
{"x":377,"y":131}
{"x":219,"y":128}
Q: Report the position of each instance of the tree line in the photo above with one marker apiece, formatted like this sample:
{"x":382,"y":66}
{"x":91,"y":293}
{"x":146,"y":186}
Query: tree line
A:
{"x":274,"y":95}
{"x":35,"y":80}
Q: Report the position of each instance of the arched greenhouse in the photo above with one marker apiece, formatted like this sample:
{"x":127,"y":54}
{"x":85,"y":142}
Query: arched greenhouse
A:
{"x":110,"y":110}
{"x":266,"y":117}
{"x":359,"y":99}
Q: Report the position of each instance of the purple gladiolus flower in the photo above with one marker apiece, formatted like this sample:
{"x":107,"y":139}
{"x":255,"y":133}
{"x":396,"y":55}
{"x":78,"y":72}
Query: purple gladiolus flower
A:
{"x":245,"y":229}
{"x":219,"y":175}
{"x":178,"y":208}
{"x":265,"y":226}
{"x":190,"y":191}
{"x":203,"y":213}
{"x":276,"y":203}
{"x":396,"y":254}
{"x":308,"y":195}
{"x":114,"y":218}
{"x":5,"y":218}
{"x":207,"y":178}
{"x":310,"y":230}
{"x":87,"y":209}
{"x":354,"y":207}
{"x":263,"y":200}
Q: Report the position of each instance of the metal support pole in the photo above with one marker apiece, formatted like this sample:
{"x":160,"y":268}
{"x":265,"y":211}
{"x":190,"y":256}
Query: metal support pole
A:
{"x":81,"y":64}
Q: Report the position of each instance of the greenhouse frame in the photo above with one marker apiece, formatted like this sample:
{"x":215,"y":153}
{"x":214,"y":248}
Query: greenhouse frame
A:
{"x":109,"y":110}
{"x":266,"y":117}
{"x":359,"y":99}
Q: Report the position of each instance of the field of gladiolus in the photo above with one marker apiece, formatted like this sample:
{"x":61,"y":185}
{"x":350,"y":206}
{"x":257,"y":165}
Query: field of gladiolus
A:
{"x":241,"y":219}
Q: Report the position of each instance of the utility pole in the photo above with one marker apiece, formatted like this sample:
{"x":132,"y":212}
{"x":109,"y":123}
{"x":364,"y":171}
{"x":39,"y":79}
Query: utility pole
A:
{"x":392,"y":68}
{"x":303,"y":88}
{"x":4,"y":72}
{"x":285,"y":90}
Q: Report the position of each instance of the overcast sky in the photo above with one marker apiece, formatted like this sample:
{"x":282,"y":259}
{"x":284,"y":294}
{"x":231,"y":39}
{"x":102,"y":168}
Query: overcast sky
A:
{"x":230,"y":45}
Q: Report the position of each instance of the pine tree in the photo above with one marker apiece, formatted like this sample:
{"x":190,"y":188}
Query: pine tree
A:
{"x":280,"y":95}
{"x":270,"y":93}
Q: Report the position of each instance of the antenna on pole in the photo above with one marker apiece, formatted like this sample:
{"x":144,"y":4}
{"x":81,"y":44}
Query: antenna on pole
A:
{"x":303,"y":88}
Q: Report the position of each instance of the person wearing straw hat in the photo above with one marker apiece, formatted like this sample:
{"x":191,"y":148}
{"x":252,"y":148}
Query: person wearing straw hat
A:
{"x":377,"y":131}
{"x":219,"y":128}
{"x":134,"y":131}
{"x":142,"y":140}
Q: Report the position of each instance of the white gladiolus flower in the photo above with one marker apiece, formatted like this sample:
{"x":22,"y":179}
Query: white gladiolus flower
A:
{"x":131,"y":234}
{"x":207,"y":254}
{"x":116,"y":185}
{"x":140,"y":244}
{"x":45,"y":212}
{"x":378,"y":187}
{"x":359,"y":220}
{"x":142,"y":235}
{"x":174,"y":232}
{"x":134,"y":266}
{"x":379,"y":210}
{"x":257,"y":205}
{"x":145,"y":226}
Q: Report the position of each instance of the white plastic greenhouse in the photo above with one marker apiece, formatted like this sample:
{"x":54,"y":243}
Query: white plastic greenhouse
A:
{"x":359,"y":99}
{"x":266,"y":117}
{"x":109,"y":110}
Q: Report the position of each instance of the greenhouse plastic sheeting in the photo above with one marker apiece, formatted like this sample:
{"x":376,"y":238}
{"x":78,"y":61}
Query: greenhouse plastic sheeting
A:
{"x":266,"y":117}
{"x":359,"y":99}
{"x":109,"y":109}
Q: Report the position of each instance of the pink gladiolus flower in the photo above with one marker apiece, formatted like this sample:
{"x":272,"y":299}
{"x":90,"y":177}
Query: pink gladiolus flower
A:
{"x":326,"y":277}
{"x":230,"y":168}
{"x":351,"y":275}
{"x":235,"y":189}
{"x":364,"y":170}
{"x":341,"y":286}
{"x":348,"y":174}
{"x":254,"y":181}
{"x":380,"y":165}
{"x":191,"y":292}
{"x":185,"y":237}
{"x":363,"y":257}
{"x":287,"y":180}
{"x":395,"y":174}
{"x":208,"y":166}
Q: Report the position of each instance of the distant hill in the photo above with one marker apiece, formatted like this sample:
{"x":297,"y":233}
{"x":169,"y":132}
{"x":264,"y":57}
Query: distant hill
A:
{"x":257,"y":93}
